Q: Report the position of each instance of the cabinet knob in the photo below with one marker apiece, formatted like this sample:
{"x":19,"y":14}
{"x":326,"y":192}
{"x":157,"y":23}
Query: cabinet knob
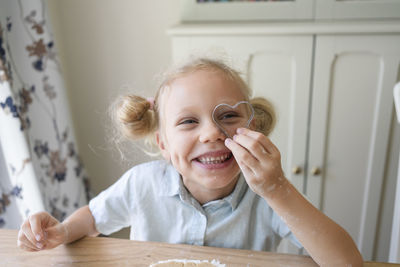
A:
{"x":315,"y":171}
{"x":296,"y":170}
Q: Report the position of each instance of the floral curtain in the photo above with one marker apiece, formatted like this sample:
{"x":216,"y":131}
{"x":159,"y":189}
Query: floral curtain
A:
{"x":39,"y":166}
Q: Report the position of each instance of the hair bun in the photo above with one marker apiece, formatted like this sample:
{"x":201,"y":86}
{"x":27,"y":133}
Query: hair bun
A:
{"x":264,"y":115}
{"x":134,"y":116}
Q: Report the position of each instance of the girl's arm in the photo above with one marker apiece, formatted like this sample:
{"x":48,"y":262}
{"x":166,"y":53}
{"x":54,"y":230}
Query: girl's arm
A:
{"x":79,"y":224}
{"x":43,"y":231}
{"x":326,"y":242}
{"x":260,"y":161}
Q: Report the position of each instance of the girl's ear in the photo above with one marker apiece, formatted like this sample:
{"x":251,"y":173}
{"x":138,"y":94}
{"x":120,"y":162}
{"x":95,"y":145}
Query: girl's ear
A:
{"x":162,"y":146}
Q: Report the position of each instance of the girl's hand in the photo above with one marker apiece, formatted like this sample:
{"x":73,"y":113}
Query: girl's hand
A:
{"x":259,"y":159}
{"x":41,"y":231}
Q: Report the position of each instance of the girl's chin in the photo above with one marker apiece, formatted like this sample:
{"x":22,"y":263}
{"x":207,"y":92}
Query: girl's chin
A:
{"x":216,"y":175}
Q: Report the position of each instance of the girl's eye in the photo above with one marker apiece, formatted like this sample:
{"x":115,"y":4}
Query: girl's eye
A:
{"x":188,"y":121}
{"x":227,"y":116}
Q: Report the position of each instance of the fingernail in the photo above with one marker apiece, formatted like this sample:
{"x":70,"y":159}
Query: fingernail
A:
{"x":37,"y":237}
{"x":39,"y":245}
{"x":227,"y":141}
{"x":239,"y":130}
{"x":235,"y":137}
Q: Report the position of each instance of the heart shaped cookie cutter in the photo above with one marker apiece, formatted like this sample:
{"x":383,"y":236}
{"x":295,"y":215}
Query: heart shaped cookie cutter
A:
{"x":221,"y":127}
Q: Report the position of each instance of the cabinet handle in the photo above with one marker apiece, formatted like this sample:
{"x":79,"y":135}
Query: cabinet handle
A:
{"x":296,"y":170}
{"x":315,"y":171}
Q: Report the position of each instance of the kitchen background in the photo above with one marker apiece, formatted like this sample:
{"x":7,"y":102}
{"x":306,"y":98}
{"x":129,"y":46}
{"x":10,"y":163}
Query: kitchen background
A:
{"x":111,"y":47}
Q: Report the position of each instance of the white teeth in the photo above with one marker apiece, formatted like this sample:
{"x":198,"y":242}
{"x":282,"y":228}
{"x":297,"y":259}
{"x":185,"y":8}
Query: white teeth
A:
{"x":213,"y":160}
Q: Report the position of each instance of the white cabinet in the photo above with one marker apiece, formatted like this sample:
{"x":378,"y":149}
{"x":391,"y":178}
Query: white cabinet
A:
{"x":333,"y":96}
{"x":293,"y":10}
{"x":192,"y":10}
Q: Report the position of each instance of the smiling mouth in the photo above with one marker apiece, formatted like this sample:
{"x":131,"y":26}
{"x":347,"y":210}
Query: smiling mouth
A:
{"x":215,"y":160}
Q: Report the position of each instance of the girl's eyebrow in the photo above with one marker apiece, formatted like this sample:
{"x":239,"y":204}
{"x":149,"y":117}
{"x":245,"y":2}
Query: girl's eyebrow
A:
{"x":230,"y":101}
{"x":186,"y":112}
{"x":183,"y":113}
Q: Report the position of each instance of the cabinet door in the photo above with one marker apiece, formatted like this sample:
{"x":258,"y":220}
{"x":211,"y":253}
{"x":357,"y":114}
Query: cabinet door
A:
{"x":352,"y":107}
{"x":357,"y":9}
{"x":278,"y":68}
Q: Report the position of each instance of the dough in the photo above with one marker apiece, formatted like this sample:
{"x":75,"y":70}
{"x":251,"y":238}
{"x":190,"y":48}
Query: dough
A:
{"x":187,"y":263}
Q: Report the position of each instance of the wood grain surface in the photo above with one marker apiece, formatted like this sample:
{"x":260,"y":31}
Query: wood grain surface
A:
{"x":103,"y":251}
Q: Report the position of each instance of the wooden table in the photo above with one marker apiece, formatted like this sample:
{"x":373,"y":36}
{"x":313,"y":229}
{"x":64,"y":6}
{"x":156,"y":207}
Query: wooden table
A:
{"x":102,"y":251}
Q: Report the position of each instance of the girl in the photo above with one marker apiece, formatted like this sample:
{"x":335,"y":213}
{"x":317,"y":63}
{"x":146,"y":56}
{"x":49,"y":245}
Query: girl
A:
{"x":210,"y":190}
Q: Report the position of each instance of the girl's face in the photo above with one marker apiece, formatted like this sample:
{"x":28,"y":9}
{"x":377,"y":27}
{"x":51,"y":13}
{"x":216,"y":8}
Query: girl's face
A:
{"x":190,"y":139}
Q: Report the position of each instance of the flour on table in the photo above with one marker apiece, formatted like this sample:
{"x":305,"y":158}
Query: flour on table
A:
{"x":187,"y":263}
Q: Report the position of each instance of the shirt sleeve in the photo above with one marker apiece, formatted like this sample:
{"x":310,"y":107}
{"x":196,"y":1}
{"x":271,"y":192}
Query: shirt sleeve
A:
{"x":110,"y":209}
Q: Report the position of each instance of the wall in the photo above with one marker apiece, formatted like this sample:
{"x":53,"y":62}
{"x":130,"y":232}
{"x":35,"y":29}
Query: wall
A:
{"x":107,"y":48}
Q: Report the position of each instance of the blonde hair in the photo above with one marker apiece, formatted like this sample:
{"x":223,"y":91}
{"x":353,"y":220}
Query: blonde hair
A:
{"x":135,"y":118}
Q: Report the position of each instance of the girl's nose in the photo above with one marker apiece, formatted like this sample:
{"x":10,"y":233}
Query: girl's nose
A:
{"x":211,"y":133}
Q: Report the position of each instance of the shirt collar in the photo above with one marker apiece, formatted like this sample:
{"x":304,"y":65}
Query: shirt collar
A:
{"x":171,"y":182}
{"x":173,"y":185}
{"x":236,"y":196}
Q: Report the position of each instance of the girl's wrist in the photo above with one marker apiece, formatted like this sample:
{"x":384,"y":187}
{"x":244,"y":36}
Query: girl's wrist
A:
{"x":66,"y":233}
{"x":278,"y":189}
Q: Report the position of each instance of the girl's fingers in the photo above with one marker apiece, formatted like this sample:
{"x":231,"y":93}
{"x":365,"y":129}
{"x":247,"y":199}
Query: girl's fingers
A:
{"x":242,"y":156}
{"x":247,"y":172}
{"x":36,"y":226}
{"x":264,"y":140}
{"x":25,"y":247}
{"x":24,"y":243}
{"x":31,"y":235}
{"x":26,"y":230}
{"x":253,"y":146}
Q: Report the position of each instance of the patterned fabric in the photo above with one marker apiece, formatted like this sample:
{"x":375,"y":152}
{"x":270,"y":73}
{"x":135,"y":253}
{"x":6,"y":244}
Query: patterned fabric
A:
{"x":40,"y":167}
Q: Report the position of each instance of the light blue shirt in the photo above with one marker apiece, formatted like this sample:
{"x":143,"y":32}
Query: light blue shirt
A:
{"x":152,"y":200}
